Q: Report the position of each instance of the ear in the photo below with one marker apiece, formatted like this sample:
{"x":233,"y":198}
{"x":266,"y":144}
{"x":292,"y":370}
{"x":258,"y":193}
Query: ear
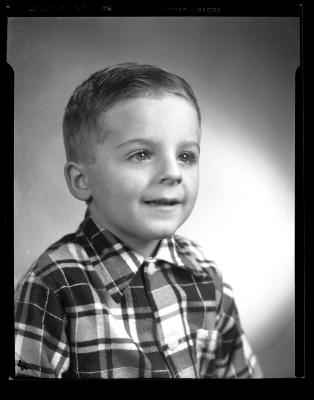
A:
{"x":76,"y":177}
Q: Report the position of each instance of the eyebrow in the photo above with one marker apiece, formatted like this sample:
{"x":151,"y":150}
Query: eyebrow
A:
{"x":154,"y":142}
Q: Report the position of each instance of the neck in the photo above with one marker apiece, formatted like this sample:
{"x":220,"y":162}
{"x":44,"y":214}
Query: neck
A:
{"x":144,"y":249}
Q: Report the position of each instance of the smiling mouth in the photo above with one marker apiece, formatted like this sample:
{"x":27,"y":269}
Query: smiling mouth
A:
{"x":162,"y":202}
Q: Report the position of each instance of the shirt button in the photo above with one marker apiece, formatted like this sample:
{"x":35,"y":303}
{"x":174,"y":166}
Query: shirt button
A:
{"x":151,"y":269}
{"x":213,"y":340}
{"x":173,"y":343}
{"x":151,"y":266}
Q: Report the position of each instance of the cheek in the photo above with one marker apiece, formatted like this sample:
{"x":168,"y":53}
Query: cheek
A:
{"x":192,"y":183}
{"x":121,"y":186}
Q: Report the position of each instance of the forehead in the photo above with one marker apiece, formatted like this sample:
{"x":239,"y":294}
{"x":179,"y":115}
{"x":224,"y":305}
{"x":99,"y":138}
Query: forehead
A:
{"x":152,"y":115}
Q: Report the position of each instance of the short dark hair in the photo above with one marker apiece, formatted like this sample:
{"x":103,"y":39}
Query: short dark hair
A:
{"x":102,"y":90}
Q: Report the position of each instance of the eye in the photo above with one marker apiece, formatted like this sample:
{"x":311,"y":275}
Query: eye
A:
{"x":140,"y":155}
{"x":188,"y":157}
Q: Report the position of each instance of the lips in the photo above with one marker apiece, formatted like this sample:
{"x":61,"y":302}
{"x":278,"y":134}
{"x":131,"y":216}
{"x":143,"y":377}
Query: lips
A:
{"x":162,"y":202}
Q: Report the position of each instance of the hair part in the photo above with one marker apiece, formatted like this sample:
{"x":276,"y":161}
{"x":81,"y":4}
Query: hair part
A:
{"x":86,"y":109}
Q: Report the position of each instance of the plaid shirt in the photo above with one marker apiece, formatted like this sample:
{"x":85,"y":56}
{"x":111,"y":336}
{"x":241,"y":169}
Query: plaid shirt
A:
{"x":90,"y":307}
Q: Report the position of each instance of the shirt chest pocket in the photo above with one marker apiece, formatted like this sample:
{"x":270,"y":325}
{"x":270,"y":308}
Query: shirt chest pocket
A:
{"x":206,"y":344}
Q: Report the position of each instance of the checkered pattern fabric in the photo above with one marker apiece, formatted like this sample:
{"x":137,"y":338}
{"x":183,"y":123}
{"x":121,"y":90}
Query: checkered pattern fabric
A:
{"x":90,"y":307}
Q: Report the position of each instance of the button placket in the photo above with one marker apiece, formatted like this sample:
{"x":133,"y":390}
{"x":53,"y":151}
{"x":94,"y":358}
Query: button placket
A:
{"x":149,"y":270}
{"x":169,"y":334}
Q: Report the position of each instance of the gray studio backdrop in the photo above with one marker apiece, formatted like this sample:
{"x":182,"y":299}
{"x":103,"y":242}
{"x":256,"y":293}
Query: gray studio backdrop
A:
{"x":242,"y":70}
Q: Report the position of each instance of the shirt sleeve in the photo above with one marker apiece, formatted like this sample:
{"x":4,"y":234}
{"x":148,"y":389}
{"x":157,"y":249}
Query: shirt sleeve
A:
{"x":41,"y":347}
{"x":234,"y":355}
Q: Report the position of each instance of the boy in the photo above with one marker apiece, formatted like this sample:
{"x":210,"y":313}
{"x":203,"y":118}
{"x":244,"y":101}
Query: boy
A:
{"x":123,"y":296}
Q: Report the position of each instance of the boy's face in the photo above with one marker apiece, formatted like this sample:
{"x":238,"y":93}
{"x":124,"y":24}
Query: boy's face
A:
{"x":144,"y":182}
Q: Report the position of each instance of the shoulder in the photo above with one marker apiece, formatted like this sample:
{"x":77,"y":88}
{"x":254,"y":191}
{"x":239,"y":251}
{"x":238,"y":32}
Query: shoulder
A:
{"x":52,"y":266}
{"x":193,"y":256}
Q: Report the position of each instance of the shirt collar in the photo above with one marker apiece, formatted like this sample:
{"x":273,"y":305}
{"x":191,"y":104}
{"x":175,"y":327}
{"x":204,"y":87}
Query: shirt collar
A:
{"x":118,"y":262}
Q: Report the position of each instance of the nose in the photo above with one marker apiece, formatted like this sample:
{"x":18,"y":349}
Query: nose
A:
{"x":171,"y":173}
